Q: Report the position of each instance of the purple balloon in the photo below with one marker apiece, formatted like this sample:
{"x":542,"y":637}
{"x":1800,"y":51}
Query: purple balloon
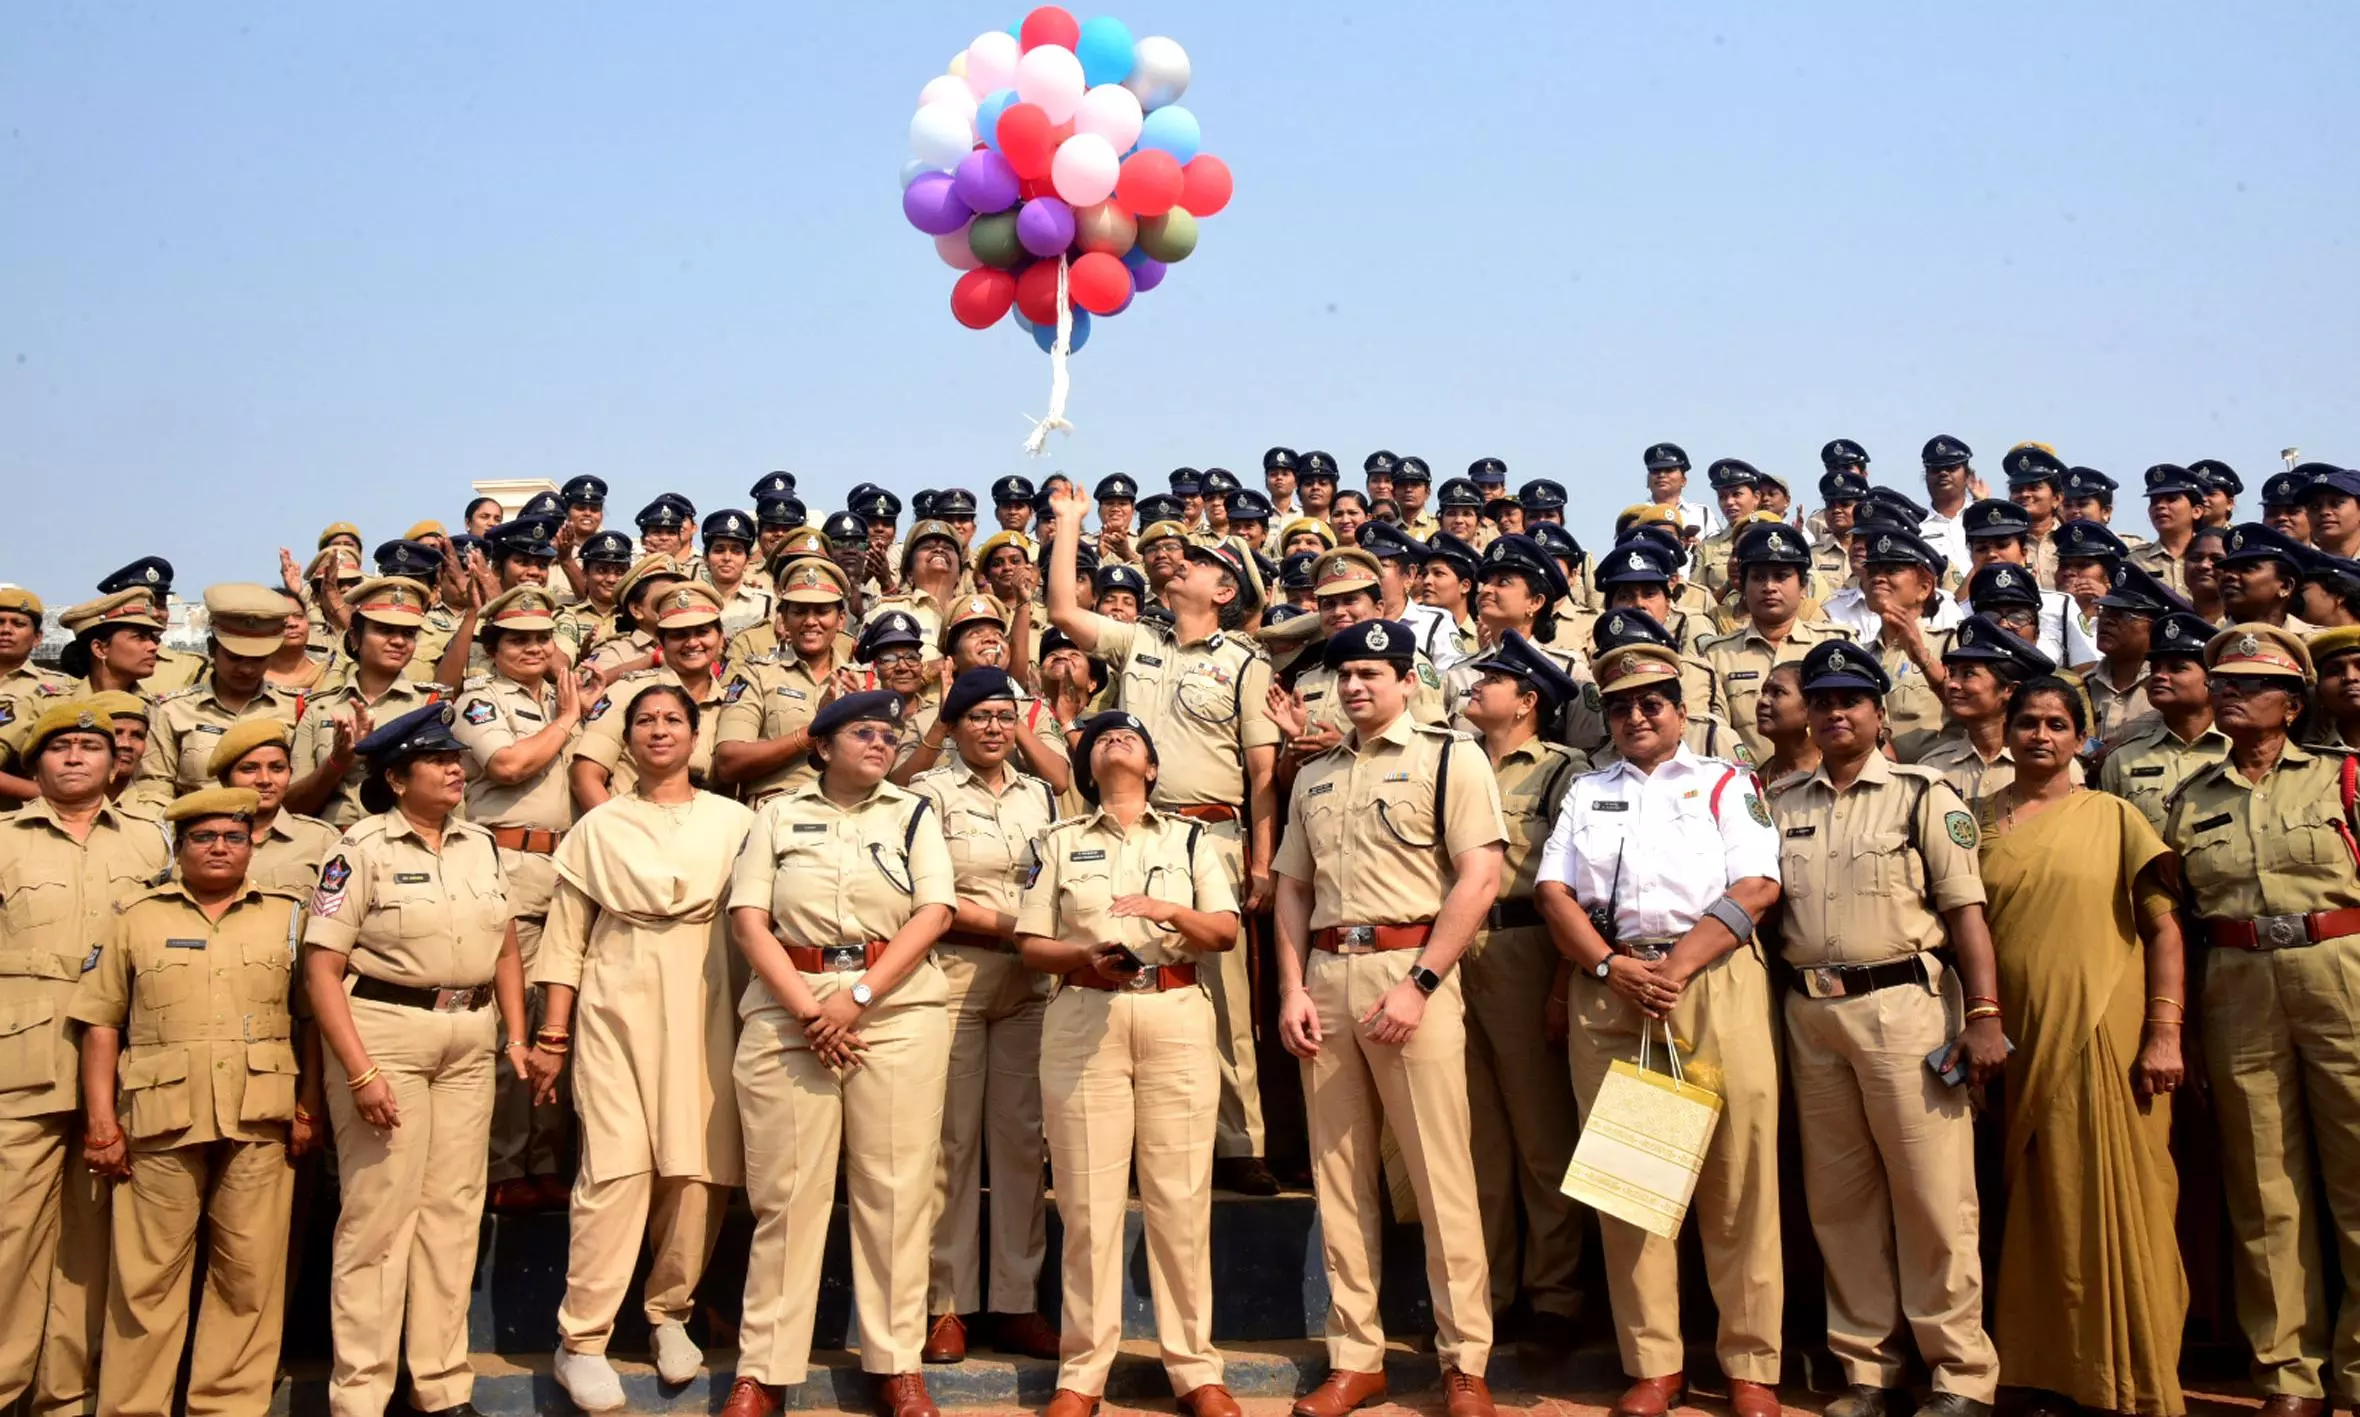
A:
{"x":985,"y":182}
{"x":932,"y":206}
{"x":1146,"y":273}
{"x":1045,"y":226}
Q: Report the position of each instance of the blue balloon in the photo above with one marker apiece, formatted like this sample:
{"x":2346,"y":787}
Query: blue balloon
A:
{"x":1046,"y":335}
{"x":987,"y":116}
{"x":1171,"y":129}
{"x":1105,"y":51}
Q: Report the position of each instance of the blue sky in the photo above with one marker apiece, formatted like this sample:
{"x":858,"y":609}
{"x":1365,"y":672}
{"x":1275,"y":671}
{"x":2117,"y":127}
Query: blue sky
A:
{"x":267,"y":266}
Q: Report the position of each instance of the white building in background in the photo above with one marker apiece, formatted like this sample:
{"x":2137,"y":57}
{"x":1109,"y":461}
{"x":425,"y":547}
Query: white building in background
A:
{"x":512,"y":492}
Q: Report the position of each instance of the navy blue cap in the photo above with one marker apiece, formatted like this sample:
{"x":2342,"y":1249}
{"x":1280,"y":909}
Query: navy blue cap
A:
{"x":583,"y":491}
{"x":1992,"y":519}
{"x":1840,"y":664}
{"x":2319,"y":565}
{"x":1627,"y":626}
{"x":877,"y":505}
{"x":1662,"y":534}
{"x":844,"y":528}
{"x":1186,"y":482}
{"x":1278,"y":612}
{"x":1457,"y":551}
{"x":1244,"y":504}
{"x":2255,"y":541}
{"x":414,"y":559}
{"x":729,"y":524}
{"x":894,"y":627}
{"x":1542,"y":495}
{"x":1219,"y":481}
{"x":1842,"y":453}
{"x":1387,"y":542}
{"x":1413,"y":469}
{"x":2215,"y":474}
{"x":664,"y":511}
{"x":1843,"y":485}
{"x":953,"y":502}
{"x":1887,"y":504}
{"x":1732,"y":472}
{"x":1517,"y":552}
{"x":1380,"y":463}
{"x":2002,"y":583}
{"x":2085,"y":540}
{"x":2181,"y":634}
{"x":1371,"y":639}
{"x":1295,"y":571}
{"x":1279,"y":460}
{"x":1095,"y":727}
{"x":1159,"y":507}
{"x":1116,"y":487}
{"x":1459,"y":492}
{"x":2028,"y":466}
{"x":868,"y":706}
{"x":526,"y":536}
{"x":772,"y":484}
{"x":2166,"y":479}
{"x":1317,"y":464}
{"x":1942,"y":450}
{"x":1897,"y":546}
{"x":980,"y":685}
{"x":781,"y":511}
{"x":462,"y":543}
{"x":147,"y":573}
{"x":1520,"y":659}
{"x":1982,"y":638}
{"x":2284,"y":489}
{"x":1553,"y":538}
{"x":2136,"y":589}
{"x":2327,"y":477}
{"x":1770,"y":544}
{"x":542,"y":504}
{"x":1010,"y":490}
{"x":1116,"y":576}
{"x":414,"y":734}
{"x":1488,"y":472}
{"x":2083,"y":483}
{"x":922,"y":504}
{"x":610,"y":547}
{"x":1662,"y":456}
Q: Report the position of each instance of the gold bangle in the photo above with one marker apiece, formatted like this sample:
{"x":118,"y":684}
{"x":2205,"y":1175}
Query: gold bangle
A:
{"x":364,"y":1079}
{"x":2168,"y":1003}
{"x":303,"y":1116}
{"x":1982,"y":1012}
{"x":2175,"y":1023}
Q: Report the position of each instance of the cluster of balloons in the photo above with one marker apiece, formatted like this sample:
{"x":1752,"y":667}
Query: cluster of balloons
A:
{"x":1058,"y":147}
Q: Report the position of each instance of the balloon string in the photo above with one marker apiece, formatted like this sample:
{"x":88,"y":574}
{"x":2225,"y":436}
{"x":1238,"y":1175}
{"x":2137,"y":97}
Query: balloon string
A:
{"x":1037,"y":444}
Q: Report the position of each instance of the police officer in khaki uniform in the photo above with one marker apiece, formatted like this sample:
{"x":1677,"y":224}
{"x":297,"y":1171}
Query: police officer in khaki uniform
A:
{"x":2146,"y":763}
{"x":842,"y":889}
{"x":117,"y":639}
{"x":688,"y":630}
{"x":1982,"y":666}
{"x":1897,"y":577}
{"x":1346,"y":582}
{"x":1389,"y":863}
{"x":589,"y":621}
{"x":632,"y":642}
{"x":130,"y":713}
{"x":378,"y":645}
{"x":175,"y":669}
{"x":761,"y":743}
{"x":1675,"y":852}
{"x":186,"y":1016}
{"x":990,"y":813}
{"x":1519,"y":1093}
{"x":933,"y":564}
{"x":517,"y":722}
{"x":26,"y":689}
{"x":287,"y":847}
{"x":1203,"y":691}
{"x":1880,"y":870}
{"x":2269,"y":866}
{"x":1772,"y":591}
{"x":409,"y":942}
{"x":975,"y":635}
{"x":65,"y":858}
{"x":249,"y":622}
{"x":2174,"y":498}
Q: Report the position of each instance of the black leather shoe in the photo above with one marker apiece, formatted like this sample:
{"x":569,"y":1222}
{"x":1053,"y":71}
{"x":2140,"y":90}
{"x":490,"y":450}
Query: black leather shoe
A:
{"x":1950,"y":1404}
{"x":1246,"y":1175}
{"x":1863,"y":1400}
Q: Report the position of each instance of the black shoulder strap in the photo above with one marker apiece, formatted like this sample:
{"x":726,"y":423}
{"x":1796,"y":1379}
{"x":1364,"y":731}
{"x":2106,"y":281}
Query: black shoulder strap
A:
{"x":1564,"y":766}
{"x":1442,"y":796}
{"x":1917,"y":811}
{"x":1050,"y":793}
{"x":1195,"y":829}
{"x":909,"y":834}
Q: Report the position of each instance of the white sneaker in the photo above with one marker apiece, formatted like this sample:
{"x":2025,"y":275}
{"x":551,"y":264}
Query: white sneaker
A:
{"x":589,"y":1380}
{"x":677,"y":1356}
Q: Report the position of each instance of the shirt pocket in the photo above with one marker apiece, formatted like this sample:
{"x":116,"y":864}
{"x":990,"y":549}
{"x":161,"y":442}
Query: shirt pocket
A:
{"x":1084,"y":896}
{"x":263,"y":973}
{"x":156,"y":1091}
{"x":270,"y":1083}
{"x":1323,"y":825}
{"x":1404,"y":810}
{"x":1208,"y":693}
{"x":37,"y":905}
{"x":978,"y":846}
{"x":28,"y":1044}
{"x":1880,"y":865}
{"x":2215,"y":865}
{"x":2314,"y":846}
{"x":166,"y":980}
{"x":1800,"y":867}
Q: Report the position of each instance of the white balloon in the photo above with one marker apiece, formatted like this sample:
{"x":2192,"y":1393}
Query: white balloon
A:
{"x":941,"y":135}
{"x":1159,"y":72}
{"x":991,"y":62}
{"x":914,"y":169}
{"x":950,"y":89}
{"x":1112,"y":112}
{"x":1084,"y":169}
{"x":1051,"y":77}
{"x":955,"y":252}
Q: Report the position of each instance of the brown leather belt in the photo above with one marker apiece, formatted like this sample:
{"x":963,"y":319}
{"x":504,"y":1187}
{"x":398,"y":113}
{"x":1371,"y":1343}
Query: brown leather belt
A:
{"x":463,"y":1000}
{"x":1214,"y":813}
{"x":1371,"y":939}
{"x":834,"y":959}
{"x":2284,"y":932}
{"x":977,"y":940}
{"x":1155,"y":979}
{"x":532,"y":839}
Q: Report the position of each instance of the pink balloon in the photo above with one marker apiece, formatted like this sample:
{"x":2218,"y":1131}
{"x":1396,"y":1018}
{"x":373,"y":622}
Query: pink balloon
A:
{"x":948,"y":88}
{"x":1112,"y":112}
{"x":1050,"y":78}
{"x":1084,"y":169}
{"x":991,"y":62}
{"x":956,"y":254}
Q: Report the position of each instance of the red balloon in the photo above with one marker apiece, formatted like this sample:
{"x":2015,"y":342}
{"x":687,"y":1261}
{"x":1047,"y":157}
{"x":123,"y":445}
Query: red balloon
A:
{"x":1204,"y":187}
{"x":1049,"y":25}
{"x":1099,"y":283}
{"x":1036,"y":292}
{"x":1149,"y":184}
{"x":1032,"y":187}
{"x":981,"y":297}
{"x":1025,"y":139}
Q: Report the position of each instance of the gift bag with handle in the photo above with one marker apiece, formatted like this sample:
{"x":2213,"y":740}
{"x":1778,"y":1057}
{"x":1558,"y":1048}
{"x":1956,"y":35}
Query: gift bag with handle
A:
{"x":1644,"y":1141}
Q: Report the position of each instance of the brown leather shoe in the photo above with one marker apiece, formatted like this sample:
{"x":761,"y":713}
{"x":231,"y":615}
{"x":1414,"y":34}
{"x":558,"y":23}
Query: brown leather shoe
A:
{"x":1026,"y":1335}
{"x":1065,"y":1402}
{"x":905,"y":1395}
{"x":1465,"y":1395}
{"x":1211,"y":1400}
{"x":1246,"y":1175}
{"x":1752,"y":1399}
{"x":1341,"y":1393}
{"x":516,"y":1196}
{"x":946,"y":1342}
{"x":553,"y":1192}
{"x":2282,"y":1405}
{"x":1652,"y":1397}
{"x":748,"y":1398}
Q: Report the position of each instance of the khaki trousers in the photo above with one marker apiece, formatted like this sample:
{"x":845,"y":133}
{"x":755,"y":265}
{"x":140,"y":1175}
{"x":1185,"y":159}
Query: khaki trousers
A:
{"x":1889,"y":1175}
{"x":2285,"y":1068}
{"x":53,"y":1265}
{"x":1229,"y":982}
{"x":885,"y":1118}
{"x":1521,"y":1115}
{"x":530,"y":1138}
{"x":678,"y":1218}
{"x":240,"y":1192}
{"x":1124,"y":1076}
{"x":991,"y":1108}
{"x":1352,"y":1089}
{"x":1727,"y":1045}
{"x":404,"y":1251}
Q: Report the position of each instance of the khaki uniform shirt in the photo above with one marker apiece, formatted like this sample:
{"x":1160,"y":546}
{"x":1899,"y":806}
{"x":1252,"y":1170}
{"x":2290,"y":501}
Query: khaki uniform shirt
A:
{"x":1740,"y":660}
{"x":186,"y":725}
{"x":744,"y":608}
{"x":29,"y":691}
{"x":1914,"y":713}
{"x":1953,"y":755}
{"x":1712,"y":562}
{"x":831,"y":875}
{"x":56,"y":907}
{"x":209,"y":1052}
{"x":1080,"y":866}
{"x":1533,"y":777}
{"x":1316,"y":686}
{"x":2149,"y":762}
{"x":315,"y":738}
{"x":2163,"y":565}
{"x":175,"y":669}
{"x":2110,"y":707}
{"x":581,"y":628}
{"x":288,"y":852}
{"x":775,"y":695}
{"x":2251,"y":849}
{"x":603,"y":724}
{"x":919,"y":604}
{"x":493,"y":713}
{"x":1032,"y":716}
{"x":616,"y":649}
{"x":1866,"y":872}
{"x":1831,"y":567}
{"x":1204,"y":703}
{"x":989,"y":834}
{"x":410,"y":915}
{"x":1362,"y":824}
{"x":435,"y":636}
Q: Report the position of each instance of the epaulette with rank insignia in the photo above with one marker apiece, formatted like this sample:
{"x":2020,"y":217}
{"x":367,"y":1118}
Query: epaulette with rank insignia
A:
{"x":185,"y":691}
{"x":474,"y":682}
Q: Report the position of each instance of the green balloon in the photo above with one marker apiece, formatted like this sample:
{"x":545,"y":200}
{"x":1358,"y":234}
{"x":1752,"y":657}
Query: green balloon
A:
{"x":1167,"y":238}
{"x":993,"y":240}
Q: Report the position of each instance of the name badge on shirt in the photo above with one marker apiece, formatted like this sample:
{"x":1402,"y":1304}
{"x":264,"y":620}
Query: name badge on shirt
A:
{"x":209,"y":728}
{"x":2210,"y":822}
{"x":1151,"y":661}
{"x":411,"y":878}
{"x":787,"y":693}
{"x":184,"y":944}
{"x":1745,"y":674}
{"x":1087,"y":856}
{"x":811,"y":826}
{"x":532,"y":714}
{"x":1323,"y":787}
{"x":2155,"y":771}
{"x":1793,"y":832}
{"x":1610,"y":806}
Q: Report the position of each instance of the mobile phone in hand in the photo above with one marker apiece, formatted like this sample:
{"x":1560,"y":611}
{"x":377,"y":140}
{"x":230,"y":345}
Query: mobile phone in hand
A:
{"x":1123,"y":961}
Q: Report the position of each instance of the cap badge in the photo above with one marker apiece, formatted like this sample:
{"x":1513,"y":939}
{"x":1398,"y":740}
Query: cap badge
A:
{"x":152,"y":576}
{"x":2004,"y":578}
{"x":86,"y":720}
{"x":1637,"y":561}
{"x":2249,"y":645}
{"x":1884,"y":544}
{"x":1614,"y":625}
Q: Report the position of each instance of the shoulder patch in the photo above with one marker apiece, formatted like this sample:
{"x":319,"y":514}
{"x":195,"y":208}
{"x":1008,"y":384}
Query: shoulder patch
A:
{"x":1755,"y":809}
{"x":735,"y":691}
{"x":478,"y":712}
{"x":1961,"y":829}
{"x":598,"y":710}
{"x":1426,"y":674}
{"x":334,"y":877}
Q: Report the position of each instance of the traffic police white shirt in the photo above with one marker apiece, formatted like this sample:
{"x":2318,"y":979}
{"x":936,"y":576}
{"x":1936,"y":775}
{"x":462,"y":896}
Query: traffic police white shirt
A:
{"x":1660,"y":845}
{"x":1437,"y":634}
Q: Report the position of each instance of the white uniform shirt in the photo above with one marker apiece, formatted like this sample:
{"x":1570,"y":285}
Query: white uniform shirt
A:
{"x":1436,"y":633}
{"x":1849,"y":608}
{"x":1948,"y":535}
{"x":1658,"y":842}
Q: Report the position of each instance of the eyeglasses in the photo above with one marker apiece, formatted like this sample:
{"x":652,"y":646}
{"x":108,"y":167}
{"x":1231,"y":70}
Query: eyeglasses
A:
{"x":1641,"y":705}
{"x":2238,"y":686}
{"x":217,"y":838}
{"x":899,"y":656}
{"x":991,"y":720}
{"x":870,"y":735}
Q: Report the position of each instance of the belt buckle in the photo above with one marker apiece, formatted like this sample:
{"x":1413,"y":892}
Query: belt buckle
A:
{"x":2281,"y":932}
{"x":1827,"y":983}
{"x":454,"y":1001}
{"x":844,"y":959}
{"x":1356,"y":939}
{"x":1143,"y":981}
{"x":1648,"y":954}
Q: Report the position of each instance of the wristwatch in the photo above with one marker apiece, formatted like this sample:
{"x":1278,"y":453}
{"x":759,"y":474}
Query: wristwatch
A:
{"x":862,"y":994}
{"x":1603,"y":967}
{"x":1426,"y":979}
